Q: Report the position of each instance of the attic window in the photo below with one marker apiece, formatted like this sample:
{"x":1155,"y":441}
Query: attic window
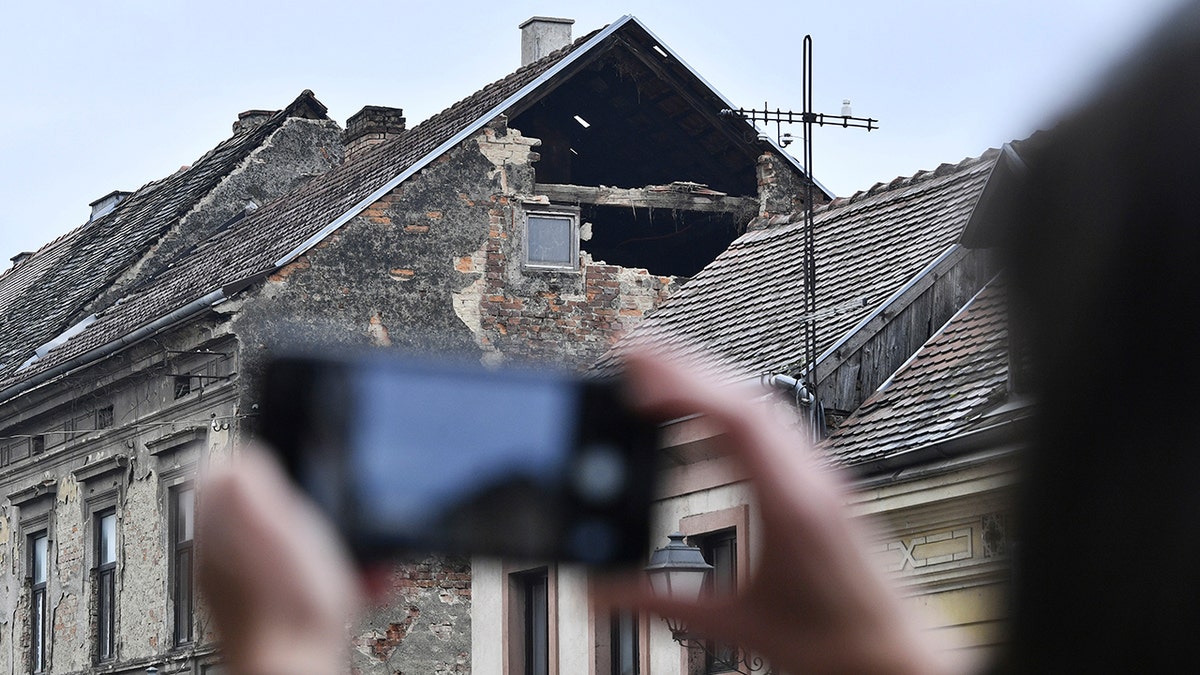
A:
{"x":104,"y":417}
{"x":183,"y":386}
{"x":552,"y":240}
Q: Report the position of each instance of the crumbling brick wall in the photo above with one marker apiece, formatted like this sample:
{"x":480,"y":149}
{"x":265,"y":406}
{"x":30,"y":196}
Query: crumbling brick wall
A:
{"x":569,"y":317}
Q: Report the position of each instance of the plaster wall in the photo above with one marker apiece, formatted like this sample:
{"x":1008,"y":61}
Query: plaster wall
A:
{"x":156,"y":441}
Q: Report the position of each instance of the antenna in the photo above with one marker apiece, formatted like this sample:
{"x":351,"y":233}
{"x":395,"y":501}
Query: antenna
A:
{"x":807,"y":118}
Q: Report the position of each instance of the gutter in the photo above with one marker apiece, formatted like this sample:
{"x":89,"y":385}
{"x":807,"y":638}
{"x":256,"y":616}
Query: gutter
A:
{"x":187,"y":311}
{"x":886,"y":469}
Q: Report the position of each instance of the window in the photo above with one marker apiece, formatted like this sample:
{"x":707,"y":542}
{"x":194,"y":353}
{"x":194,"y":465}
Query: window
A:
{"x":528,"y":614}
{"x":104,"y":417}
{"x":552,"y":240}
{"x":183,"y":500}
{"x":183,"y":385}
{"x":37,"y":444}
{"x":625,"y":643}
{"x":720,"y":550}
{"x":106,"y":585}
{"x":537,"y":624}
{"x":39,"y":571}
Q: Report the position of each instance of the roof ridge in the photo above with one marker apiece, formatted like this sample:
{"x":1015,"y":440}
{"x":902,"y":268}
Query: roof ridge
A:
{"x":921,"y":176}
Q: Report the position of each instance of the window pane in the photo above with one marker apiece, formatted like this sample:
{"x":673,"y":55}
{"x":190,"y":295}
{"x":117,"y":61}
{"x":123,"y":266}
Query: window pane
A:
{"x":185,"y":501}
{"x":37,"y":631}
{"x":624,"y":644}
{"x":550,"y":240}
{"x":537,"y":627}
{"x":40,"y":551}
{"x":105,"y":621}
{"x":107,"y":548}
{"x":183,"y":596}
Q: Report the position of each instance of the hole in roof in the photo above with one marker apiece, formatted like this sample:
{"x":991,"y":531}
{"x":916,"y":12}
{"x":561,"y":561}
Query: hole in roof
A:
{"x":660,"y":51}
{"x":582,"y":122}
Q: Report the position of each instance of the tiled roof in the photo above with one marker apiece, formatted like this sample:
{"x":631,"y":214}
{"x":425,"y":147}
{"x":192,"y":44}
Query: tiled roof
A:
{"x":42,"y":295}
{"x":256,"y":244}
{"x":745,"y":308}
{"x":946,"y":389}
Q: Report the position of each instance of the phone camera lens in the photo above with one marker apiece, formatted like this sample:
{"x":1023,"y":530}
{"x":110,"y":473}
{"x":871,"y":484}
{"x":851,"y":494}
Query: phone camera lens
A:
{"x":599,"y":474}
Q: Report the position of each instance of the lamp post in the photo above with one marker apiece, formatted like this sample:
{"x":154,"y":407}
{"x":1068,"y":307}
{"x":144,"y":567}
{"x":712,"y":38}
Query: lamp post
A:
{"x":678,"y":571}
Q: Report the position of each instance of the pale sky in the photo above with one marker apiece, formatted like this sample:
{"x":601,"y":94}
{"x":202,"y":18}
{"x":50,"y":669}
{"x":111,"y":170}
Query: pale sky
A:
{"x":100,"y":96}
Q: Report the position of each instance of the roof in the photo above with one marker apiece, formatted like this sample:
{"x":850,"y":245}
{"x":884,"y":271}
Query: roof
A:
{"x":952,"y":386}
{"x":50,"y":289}
{"x":743,"y":310}
{"x":279,"y":232}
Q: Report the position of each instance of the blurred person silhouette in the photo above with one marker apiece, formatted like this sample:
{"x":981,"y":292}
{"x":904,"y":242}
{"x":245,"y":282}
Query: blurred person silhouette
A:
{"x":1101,"y":228}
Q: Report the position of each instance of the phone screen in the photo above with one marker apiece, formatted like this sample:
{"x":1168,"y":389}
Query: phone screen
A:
{"x":408,"y":457}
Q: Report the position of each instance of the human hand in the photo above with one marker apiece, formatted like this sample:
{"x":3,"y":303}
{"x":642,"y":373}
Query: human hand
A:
{"x":279,"y":587}
{"x":814,"y":602}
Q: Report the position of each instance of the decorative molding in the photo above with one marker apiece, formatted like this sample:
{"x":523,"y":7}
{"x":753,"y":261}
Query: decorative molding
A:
{"x":177,"y":440}
{"x":928,"y":550}
{"x":48,"y":487}
{"x":100,"y":467}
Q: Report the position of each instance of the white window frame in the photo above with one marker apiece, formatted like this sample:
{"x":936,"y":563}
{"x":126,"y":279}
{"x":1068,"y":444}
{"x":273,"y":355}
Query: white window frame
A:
{"x":570,"y":215}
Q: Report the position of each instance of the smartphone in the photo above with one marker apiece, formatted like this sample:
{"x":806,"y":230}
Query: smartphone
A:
{"x":411,"y":456}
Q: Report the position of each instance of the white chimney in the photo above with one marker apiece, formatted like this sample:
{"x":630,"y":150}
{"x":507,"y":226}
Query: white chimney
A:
{"x":541,"y":35}
{"x":107,"y":203}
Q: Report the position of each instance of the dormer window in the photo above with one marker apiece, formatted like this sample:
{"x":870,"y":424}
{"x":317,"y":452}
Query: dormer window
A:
{"x":552,"y":240}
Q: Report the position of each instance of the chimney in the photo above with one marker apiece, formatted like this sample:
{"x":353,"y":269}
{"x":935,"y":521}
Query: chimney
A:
{"x":251,"y":119}
{"x":107,"y":203}
{"x":371,"y":126}
{"x":541,"y":35}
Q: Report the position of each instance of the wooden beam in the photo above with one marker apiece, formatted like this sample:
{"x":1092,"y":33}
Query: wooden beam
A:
{"x":679,"y":198}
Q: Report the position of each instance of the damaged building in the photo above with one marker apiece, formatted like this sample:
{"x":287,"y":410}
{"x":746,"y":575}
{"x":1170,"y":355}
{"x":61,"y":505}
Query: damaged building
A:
{"x":539,"y":218}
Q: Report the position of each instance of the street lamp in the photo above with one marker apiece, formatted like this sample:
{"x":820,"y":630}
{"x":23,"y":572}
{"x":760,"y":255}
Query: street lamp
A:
{"x":678,"y":571}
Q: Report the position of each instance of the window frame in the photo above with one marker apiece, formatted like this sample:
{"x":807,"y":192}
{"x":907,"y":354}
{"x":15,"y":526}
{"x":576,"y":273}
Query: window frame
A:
{"x":38,"y":601}
{"x":105,"y":584}
{"x":101,"y":483}
{"x":35,"y":517}
{"x":732,"y":522}
{"x":518,"y":615}
{"x":570,"y":215}
{"x":182,"y":563}
{"x":719,"y":657}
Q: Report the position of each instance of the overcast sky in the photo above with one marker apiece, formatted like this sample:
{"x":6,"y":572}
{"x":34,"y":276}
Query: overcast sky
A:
{"x":99,"y":96}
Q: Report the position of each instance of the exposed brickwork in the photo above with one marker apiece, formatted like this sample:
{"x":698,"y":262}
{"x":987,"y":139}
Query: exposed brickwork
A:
{"x":531,"y":314}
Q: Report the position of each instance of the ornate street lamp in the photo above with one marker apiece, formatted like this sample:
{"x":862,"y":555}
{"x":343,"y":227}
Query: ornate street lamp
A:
{"x":678,"y":571}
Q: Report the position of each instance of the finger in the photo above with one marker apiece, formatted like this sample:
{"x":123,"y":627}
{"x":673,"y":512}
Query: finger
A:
{"x":781,"y":460}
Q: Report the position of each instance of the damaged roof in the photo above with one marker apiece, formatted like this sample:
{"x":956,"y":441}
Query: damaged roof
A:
{"x":742,"y":315}
{"x":53,"y":287}
{"x":282,"y":230}
{"x":956,"y":384}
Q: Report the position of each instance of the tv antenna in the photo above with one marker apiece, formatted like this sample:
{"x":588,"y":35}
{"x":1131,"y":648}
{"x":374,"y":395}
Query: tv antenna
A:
{"x":806,"y":392}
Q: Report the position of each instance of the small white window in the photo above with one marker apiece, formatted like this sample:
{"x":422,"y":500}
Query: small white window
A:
{"x":552,"y":240}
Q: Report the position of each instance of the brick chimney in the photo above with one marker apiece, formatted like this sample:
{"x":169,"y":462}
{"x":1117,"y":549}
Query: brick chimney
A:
{"x":251,"y":119}
{"x":541,"y":35}
{"x":370,"y":126}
